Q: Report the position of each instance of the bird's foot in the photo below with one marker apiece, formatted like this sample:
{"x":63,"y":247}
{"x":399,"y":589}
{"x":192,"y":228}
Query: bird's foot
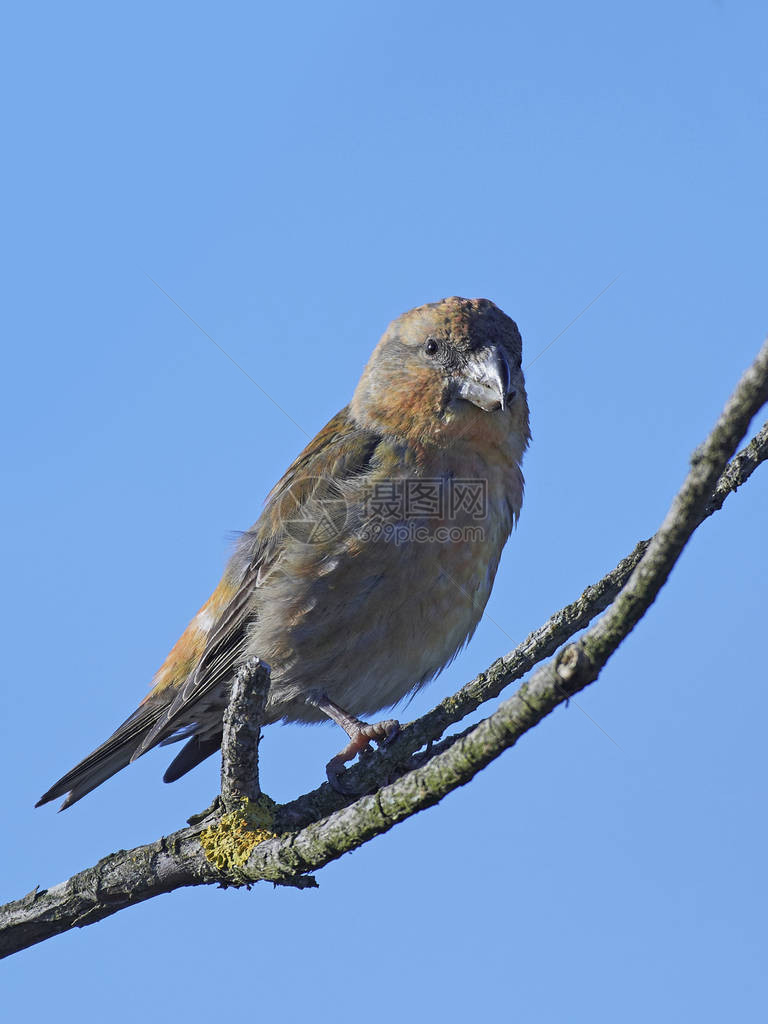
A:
{"x":360,"y":736}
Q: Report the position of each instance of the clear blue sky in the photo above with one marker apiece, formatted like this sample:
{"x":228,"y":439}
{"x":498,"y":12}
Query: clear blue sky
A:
{"x":295,"y":177}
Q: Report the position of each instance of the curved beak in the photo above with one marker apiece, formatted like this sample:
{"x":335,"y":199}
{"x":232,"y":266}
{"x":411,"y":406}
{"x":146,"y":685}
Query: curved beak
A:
{"x":485,"y":379}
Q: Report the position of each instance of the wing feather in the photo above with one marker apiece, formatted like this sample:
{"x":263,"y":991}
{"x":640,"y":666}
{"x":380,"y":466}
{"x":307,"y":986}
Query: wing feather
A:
{"x":340,"y":451}
{"x":114,"y":754}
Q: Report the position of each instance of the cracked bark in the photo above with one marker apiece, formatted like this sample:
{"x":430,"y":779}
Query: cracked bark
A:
{"x":320,"y":826}
{"x":242,"y":732}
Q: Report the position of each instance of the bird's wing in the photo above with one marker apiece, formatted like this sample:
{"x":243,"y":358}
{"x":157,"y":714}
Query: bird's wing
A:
{"x":114,"y":754}
{"x":340,"y":451}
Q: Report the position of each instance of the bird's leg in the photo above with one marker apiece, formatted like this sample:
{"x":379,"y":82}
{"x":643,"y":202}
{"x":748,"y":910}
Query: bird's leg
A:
{"x":360,"y":736}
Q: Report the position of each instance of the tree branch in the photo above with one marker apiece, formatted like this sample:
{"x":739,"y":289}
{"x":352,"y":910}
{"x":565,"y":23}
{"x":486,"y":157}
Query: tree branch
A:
{"x":249,"y":843}
{"x":242,"y":733}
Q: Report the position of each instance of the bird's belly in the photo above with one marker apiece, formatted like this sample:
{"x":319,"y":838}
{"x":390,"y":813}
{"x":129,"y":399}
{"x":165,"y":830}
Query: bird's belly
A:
{"x":377,"y":626}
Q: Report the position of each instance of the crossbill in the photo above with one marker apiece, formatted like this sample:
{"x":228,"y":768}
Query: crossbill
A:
{"x":373,"y":559}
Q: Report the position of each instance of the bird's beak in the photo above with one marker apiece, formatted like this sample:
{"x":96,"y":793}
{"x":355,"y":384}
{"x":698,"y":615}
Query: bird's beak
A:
{"x":485,"y":379}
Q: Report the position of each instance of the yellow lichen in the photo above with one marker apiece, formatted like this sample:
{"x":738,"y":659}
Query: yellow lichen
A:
{"x":231,"y":840}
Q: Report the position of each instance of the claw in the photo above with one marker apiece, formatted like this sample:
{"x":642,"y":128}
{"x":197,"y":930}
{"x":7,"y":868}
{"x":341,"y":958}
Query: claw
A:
{"x":382,"y":733}
{"x":360,"y":736}
{"x":335,"y":771}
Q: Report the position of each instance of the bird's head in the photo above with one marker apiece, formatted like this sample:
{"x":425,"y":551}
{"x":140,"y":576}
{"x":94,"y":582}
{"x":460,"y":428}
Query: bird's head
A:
{"x":446,"y":371}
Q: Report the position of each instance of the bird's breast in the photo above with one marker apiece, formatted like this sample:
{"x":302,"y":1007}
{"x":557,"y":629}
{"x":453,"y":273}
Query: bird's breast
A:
{"x":381,"y":610}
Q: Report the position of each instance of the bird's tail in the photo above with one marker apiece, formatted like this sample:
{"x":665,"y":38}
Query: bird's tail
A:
{"x":191,"y":755}
{"x":106,"y":760}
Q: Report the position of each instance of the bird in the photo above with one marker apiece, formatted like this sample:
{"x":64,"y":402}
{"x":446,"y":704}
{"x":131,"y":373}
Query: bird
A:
{"x":373,"y":558}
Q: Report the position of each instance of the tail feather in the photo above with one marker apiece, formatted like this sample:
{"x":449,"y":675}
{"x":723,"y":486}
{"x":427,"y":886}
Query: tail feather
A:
{"x":190,"y":756}
{"x":106,"y":760}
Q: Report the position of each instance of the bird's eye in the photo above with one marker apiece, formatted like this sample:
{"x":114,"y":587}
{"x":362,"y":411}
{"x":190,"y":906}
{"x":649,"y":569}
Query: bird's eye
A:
{"x":430,"y":346}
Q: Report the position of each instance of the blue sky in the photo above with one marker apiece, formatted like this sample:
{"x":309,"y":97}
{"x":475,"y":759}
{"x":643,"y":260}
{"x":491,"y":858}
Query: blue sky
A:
{"x":294,"y":178}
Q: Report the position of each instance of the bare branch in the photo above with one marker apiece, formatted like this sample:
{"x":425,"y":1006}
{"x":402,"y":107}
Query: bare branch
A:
{"x":120,"y":880}
{"x":184,"y":858}
{"x":242,"y":732}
